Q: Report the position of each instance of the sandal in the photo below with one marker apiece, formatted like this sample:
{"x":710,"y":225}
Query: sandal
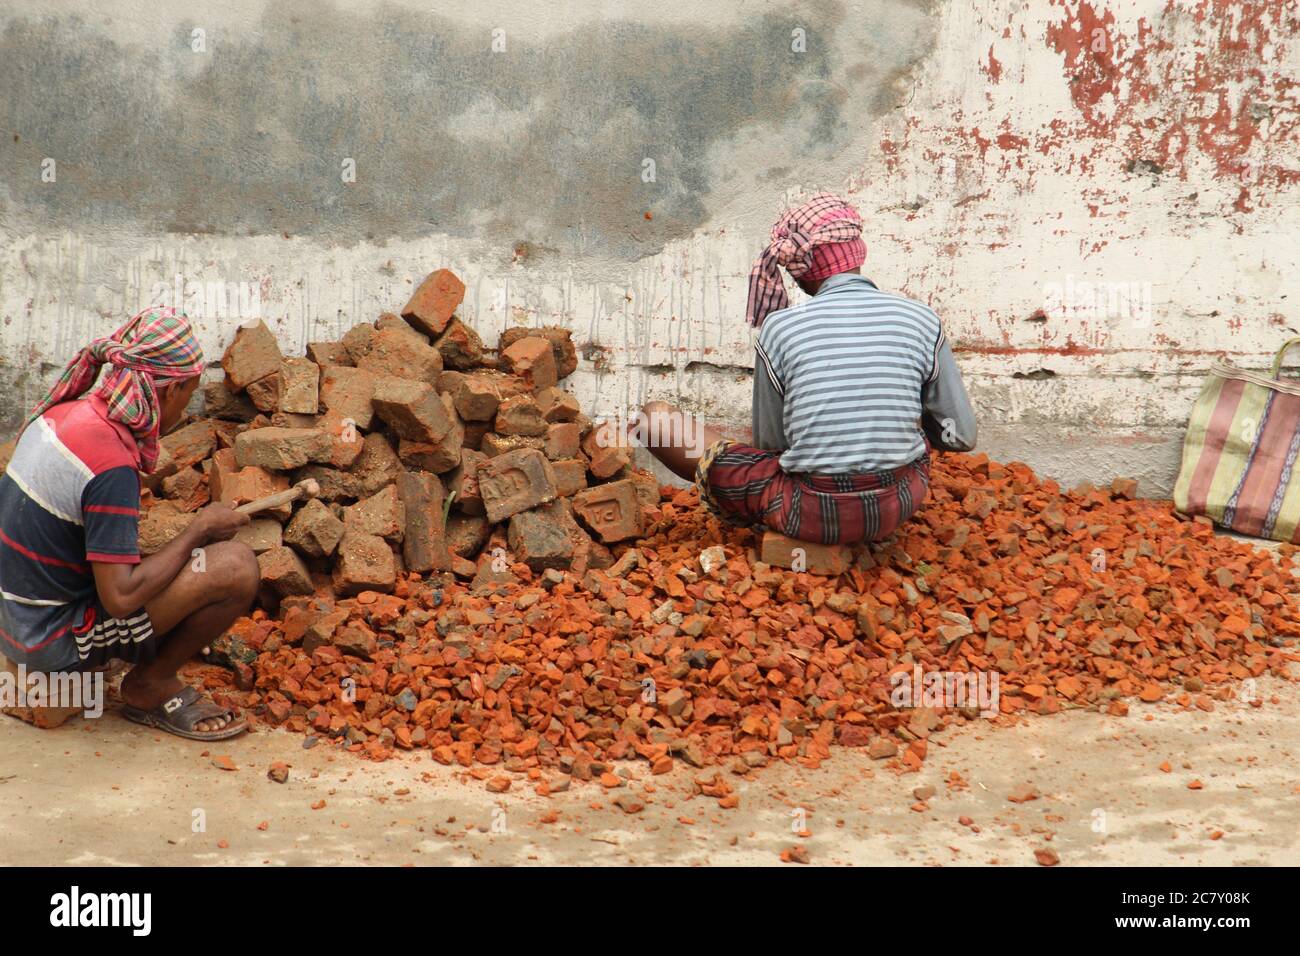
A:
{"x":181,"y":714}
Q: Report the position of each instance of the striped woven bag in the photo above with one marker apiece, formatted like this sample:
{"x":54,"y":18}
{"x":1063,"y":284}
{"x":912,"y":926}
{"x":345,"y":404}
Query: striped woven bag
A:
{"x":1239,"y":456}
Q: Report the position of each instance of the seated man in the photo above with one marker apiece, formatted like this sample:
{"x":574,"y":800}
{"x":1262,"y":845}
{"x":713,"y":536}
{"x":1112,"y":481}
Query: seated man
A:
{"x":74,"y":591}
{"x":851,"y":389}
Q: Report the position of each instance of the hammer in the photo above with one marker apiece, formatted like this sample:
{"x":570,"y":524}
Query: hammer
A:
{"x":307,"y":488}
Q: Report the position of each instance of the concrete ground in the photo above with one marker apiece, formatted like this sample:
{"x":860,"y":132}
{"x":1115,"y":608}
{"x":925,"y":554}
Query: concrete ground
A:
{"x":109,"y":792}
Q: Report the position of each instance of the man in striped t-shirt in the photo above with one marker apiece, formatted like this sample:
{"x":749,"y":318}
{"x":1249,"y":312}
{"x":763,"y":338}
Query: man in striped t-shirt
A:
{"x":851,"y":389}
{"x":74,"y":590}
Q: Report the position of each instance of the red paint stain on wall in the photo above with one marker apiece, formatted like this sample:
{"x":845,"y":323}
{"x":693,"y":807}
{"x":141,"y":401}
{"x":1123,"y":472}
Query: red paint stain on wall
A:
{"x":1227,"y":98}
{"x":1087,"y":40}
{"x":994,"y":68}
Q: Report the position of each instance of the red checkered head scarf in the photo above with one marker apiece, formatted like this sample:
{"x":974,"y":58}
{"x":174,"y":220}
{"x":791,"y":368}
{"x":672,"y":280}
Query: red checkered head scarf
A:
{"x":154,"y":348}
{"x":813,"y":241}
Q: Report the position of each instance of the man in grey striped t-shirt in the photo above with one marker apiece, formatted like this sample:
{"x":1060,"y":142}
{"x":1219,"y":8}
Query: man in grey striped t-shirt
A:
{"x":855,"y":380}
{"x":851,"y":387}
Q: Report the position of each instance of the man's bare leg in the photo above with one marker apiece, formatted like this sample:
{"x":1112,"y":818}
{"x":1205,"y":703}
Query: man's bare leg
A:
{"x":188,"y":614}
{"x":669,"y":424}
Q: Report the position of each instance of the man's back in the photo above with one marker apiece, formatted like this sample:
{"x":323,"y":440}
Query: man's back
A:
{"x":850,"y":365}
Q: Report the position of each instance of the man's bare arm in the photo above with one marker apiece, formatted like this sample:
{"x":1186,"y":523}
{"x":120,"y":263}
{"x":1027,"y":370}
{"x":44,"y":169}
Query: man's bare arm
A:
{"x":125,"y":588}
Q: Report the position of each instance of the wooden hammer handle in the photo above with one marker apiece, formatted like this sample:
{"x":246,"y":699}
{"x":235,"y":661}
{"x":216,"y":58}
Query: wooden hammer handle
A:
{"x":304,"y":489}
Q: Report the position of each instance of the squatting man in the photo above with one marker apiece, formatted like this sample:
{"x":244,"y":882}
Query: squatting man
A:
{"x":75,"y":593}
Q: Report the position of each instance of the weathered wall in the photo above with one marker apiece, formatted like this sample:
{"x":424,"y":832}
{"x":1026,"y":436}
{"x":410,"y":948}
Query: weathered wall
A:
{"x":1098,"y":198}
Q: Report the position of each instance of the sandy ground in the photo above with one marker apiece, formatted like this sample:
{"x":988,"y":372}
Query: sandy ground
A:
{"x":108,"y":792}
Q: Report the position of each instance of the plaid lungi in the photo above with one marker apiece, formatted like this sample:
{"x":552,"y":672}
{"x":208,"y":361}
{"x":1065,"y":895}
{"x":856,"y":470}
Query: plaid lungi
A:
{"x":746,"y":486}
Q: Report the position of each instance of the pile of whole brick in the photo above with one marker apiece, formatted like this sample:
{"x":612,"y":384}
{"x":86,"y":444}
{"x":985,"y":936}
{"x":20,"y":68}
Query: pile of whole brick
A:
{"x":432,"y":454}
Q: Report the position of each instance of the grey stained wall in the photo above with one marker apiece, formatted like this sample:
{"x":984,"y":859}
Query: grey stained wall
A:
{"x":541,"y":141}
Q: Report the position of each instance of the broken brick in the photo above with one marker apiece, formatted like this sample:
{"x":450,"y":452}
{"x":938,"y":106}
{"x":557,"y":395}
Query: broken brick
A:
{"x":381,"y":514}
{"x":314,"y":530}
{"x":347,"y":392}
{"x":427,"y":456}
{"x":391,"y":320}
{"x":459,"y":345}
{"x":402,"y":355}
{"x":346,"y":440}
{"x":221,"y":402}
{"x":477,"y":399}
{"x":413,"y":410}
{"x":570,"y":476}
{"x":519,"y":415}
{"x":376,"y":466}
{"x":466,"y":534}
{"x":357,"y":340}
{"x":159,"y":525}
{"x":515,"y":481}
{"x":562,"y":440}
{"x":557,"y":405}
{"x":612,"y":511}
{"x":299,"y":386}
{"x":328,"y":353}
{"x":434,"y":301}
{"x":254,"y":354}
{"x":190,"y":445}
{"x":260,"y":534}
{"x":283,"y":420}
{"x":321,"y":630}
{"x":1124,"y":488}
{"x":647,"y":488}
{"x":440,"y":456}
{"x":608,"y":454}
{"x":566,"y":355}
{"x":283,"y":570}
{"x":237,"y":486}
{"x":539,"y":542}
{"x":474,"y":432}
{"x":463,"y":482}
{"x":532,"y":360}
{"x":782,"y":552}
{"x":265,"y":393}
{"x":493,"y":444}
{"x":424,"y":547}
{"x":187,"y":488}
{"x":354,"y":640}
{"x":282,"y":449}
{"x":364,"y":563}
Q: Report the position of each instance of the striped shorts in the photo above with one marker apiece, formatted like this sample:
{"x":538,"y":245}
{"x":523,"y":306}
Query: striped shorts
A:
{"x":102,"y":638}
{"x":746,"y":486}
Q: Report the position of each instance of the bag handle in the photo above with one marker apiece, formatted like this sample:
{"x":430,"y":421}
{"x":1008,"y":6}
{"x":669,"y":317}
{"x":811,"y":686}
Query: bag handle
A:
{"x":1277,"y":359}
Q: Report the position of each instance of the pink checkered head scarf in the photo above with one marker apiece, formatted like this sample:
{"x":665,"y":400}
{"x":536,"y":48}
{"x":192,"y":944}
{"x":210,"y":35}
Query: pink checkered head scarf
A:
{"x":813,"y":241}
{"x":154,"y":348}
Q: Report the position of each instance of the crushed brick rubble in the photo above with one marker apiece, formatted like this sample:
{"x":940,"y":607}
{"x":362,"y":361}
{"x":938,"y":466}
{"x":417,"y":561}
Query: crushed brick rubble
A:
{"x":487,"y":578}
